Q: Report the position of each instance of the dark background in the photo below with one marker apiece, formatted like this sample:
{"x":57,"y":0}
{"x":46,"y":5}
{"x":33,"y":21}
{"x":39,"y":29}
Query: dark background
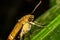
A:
{"x":12,"y":10}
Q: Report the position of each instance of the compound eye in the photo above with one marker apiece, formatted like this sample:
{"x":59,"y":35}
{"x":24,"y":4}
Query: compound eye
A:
{"x":30,"y":18}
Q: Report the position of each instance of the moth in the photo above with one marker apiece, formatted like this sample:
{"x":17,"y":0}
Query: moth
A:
{"x":23,"y":25}
{"x":23,"y":22}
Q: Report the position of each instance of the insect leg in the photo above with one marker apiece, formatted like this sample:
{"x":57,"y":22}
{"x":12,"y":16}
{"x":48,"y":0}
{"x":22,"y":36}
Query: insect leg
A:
{"x":36,"y":24}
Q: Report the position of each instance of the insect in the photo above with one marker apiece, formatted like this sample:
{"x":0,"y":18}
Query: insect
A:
{"x":23,"y":25}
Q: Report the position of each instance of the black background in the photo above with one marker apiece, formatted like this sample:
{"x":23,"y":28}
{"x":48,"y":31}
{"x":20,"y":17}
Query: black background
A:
{"x":12,"y":10}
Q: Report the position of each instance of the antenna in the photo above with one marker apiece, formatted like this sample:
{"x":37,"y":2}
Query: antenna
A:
{"x":33,"y":23}
{"x":36,"y":7}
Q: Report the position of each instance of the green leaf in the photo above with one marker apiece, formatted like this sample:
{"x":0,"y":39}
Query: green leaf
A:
{"x":49,"y":28}
{"x":51,"y":20}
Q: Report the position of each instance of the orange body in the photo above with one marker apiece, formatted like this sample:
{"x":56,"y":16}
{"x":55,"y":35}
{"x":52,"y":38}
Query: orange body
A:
{"x":18,"y":26}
